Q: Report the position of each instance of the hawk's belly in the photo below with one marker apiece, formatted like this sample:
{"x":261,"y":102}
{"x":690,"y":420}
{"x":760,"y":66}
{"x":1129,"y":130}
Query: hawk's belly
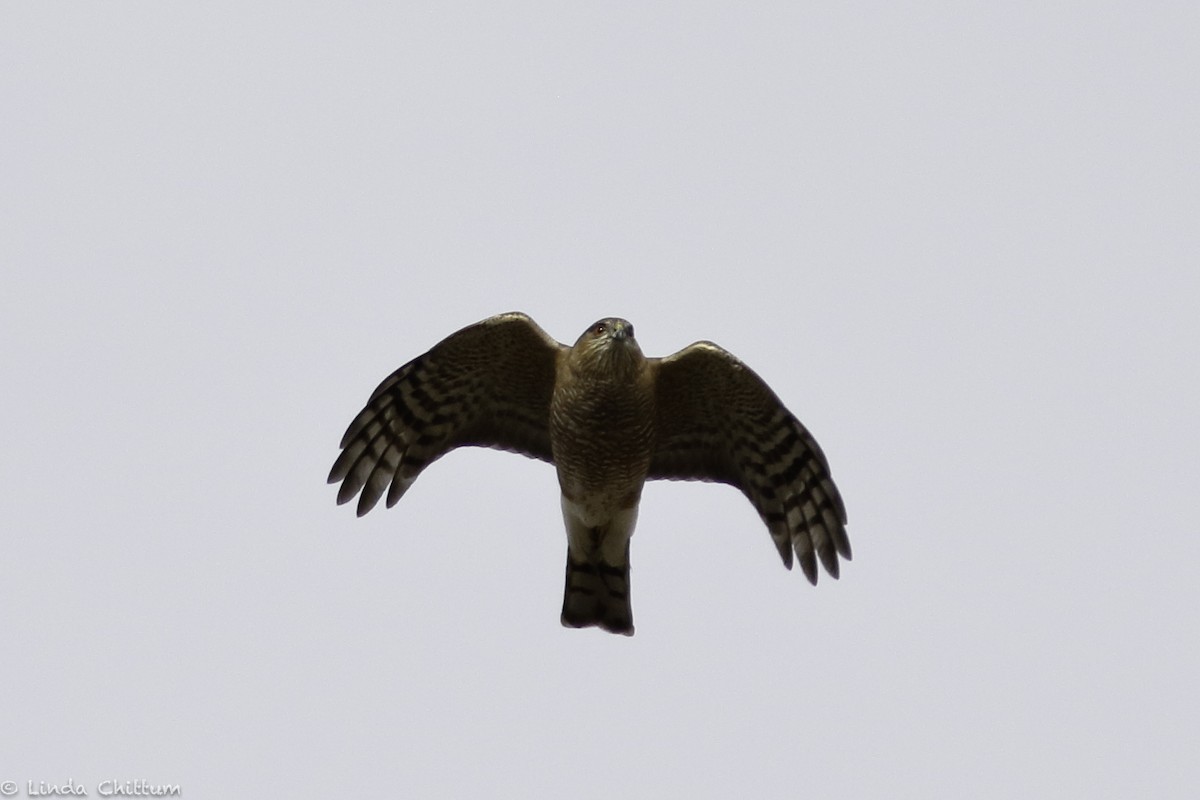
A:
{"x":602,"y":444}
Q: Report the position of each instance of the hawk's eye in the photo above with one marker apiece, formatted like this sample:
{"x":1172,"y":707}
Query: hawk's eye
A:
{"x":599,"y":329}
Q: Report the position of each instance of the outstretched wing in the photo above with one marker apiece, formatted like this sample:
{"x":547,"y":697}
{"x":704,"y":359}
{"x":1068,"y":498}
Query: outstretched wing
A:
{"x":488,"y":385}
{"x":718,"y":421}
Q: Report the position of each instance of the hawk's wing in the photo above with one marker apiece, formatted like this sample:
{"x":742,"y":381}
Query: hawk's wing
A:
{"x":487,"y":385}
{"x":718,"y":421}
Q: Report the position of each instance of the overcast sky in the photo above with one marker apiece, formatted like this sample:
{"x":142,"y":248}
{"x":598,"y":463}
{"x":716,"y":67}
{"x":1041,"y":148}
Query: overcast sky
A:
{"x":960,"y":241}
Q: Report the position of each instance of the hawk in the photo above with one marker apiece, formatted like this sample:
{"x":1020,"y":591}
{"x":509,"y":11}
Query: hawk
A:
{"x":608,"y":419}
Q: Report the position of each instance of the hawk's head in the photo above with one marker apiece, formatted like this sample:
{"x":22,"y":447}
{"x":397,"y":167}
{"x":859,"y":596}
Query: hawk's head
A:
{"x":609,"y":345}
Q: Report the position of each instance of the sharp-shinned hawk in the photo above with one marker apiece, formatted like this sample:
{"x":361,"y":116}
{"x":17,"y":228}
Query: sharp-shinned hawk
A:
{"x":609,"y":419}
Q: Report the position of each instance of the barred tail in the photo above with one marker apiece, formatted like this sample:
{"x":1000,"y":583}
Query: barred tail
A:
{"x":597,"y":594}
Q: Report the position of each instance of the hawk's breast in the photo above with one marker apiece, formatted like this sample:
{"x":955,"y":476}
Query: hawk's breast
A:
{"x":602,"y":435}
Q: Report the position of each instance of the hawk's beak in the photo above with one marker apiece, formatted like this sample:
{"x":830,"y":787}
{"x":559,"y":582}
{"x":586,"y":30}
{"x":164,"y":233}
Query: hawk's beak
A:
{"x":620,"y":332}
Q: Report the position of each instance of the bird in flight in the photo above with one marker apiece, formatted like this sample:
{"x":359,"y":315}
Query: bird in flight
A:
{"x":608,"y":419}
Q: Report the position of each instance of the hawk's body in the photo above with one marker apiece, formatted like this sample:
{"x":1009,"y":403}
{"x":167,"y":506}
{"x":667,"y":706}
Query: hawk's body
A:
{"x":609,"y":419}
{"x":602,"y":437}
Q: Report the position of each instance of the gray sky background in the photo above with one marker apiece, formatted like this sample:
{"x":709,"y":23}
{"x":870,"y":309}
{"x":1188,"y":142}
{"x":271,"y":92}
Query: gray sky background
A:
{"x":959,"y":240}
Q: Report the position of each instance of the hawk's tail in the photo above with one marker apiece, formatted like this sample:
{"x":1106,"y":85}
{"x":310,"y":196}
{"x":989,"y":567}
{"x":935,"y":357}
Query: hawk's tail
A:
{"x":597,"y":594}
